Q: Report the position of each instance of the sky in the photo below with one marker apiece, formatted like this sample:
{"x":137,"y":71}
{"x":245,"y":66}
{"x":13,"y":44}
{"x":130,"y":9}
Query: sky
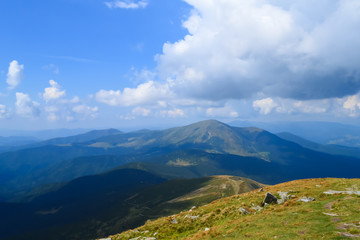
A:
{"x":156,"y":63}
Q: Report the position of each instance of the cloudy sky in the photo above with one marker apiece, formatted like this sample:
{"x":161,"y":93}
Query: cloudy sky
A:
{"x":141,"y":63}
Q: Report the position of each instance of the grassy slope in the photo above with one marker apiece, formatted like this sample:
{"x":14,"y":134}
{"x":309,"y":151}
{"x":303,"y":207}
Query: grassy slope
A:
{"x":291,"y":220}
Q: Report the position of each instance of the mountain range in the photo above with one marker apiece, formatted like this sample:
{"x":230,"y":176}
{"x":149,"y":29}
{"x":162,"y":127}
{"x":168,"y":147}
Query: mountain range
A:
{"x":69,"y":184}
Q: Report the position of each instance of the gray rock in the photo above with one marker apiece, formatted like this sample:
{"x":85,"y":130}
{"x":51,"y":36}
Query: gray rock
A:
{"x":283,"y":197}
{"x":331,"y":192}
{"x":306,"y":199}
{"x":191,"y":217}
{"x":174,"y":221}
{"x":243,"y":211}
{"x":261,"y":189}
{"x":257,"y":208}
{"x":269,"y":199}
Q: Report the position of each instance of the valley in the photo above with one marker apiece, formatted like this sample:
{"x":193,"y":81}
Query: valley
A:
{"x":104,"y":182}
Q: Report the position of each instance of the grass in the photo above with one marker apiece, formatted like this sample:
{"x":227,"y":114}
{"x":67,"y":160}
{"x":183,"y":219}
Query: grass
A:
{"x":290,"y":220}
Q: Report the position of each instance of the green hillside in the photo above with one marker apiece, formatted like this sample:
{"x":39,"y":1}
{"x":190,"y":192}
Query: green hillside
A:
{"x":100,"y":205}
{"x":329,"y":216}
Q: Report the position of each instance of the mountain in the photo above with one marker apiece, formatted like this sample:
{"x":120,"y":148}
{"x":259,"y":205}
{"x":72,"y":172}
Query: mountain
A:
{"x":328,"y":148}
{"x":79,"y":199}
{"x":319,"y":132}
{"x":69,"y":140}
{"x":311,"y":211}
{"x":12,"y":141}
{"x":43,"y":134}
{"x":117,"y":201}
{"x":248,"y":152}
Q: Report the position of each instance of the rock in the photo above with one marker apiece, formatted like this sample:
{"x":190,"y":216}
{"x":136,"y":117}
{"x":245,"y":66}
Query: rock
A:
{"x":207,"y":229}
{"x":192,"y":208}
{"x":174,"y":221}
{"x":283,"y":197}
{"x":257,"y":208}
{"x":261,"y":189}
{"x":149,"y":238}
{"x":269,"y":199}
{"x":331,"y":192}
{"x":243,"y":211}
{"x":331,"y":214}
{"x":306,"y":199}
{"x":104,"y":238}
{"x":191,"y":217}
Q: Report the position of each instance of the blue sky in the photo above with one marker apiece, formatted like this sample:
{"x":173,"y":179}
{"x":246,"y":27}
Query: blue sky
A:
{"x":158,"y":63}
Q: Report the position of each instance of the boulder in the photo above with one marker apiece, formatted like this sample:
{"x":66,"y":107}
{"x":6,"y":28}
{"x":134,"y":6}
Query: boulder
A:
{"x":269,"y":199}
{"x":243,"y":211}
{"x":306,"y":199}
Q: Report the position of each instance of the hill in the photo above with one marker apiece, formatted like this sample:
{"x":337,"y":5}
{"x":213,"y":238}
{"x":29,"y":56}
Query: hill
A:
{"x":319,"y":132}
{"x":248,"y":152}
{"x":327,"y":148}
{"x":115,"y":202}
{"x":329,"y":211}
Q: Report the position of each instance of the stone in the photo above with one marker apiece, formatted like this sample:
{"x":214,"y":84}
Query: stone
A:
{"x":192,"y":208}
{"x":174,"y":221}
{"x":269,"y":199}
{"x":283,"y":197}
{"x":306,"y":199}
{"x":331,"y":192}
{"x":191,"y":217}
{"x":243,"y":211}
{"x":261,"y":189}
{"x":207,"y":229}
{"x":257,"y":208}
{"x":331,"y":214}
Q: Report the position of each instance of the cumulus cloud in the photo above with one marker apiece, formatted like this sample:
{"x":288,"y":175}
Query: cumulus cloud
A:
{"x":175,"y":113}
{"x":140,"y":111}
{"x":86,"y":110}
{"x":265,"y":106}
{"x":25,"y":107}
{"x":352,"y":104}
{"x":225,"y":111}
{"x":127,"y":4}
{"x":290,"y":106}
{"x":15,"y":74}
{"x":53,"y":92}
{"x":237,"y":49}
{"x":147,"y":93}
{"x":4,"y":112}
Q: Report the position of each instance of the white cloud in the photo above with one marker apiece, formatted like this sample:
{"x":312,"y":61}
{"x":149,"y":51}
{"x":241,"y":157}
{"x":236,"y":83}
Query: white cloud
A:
{"x":127,"y":4}
{"x":146,"y":94}
{"x":352,"y":104}
{"x":140,"y":111}
{"x":175,"y":113}
{"x":265,"y":106}
{"x":53,"y":92}
{"x":237,"y":49}
{"x":4,"y":112}
{"x":225,"y":111}
{"x":25,"y":107}
{"x":15,"y":74}
{"x":85,"y":110}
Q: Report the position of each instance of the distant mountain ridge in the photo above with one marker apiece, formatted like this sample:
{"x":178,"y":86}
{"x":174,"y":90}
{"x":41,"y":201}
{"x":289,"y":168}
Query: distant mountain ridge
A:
{"x":225,"y":149}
